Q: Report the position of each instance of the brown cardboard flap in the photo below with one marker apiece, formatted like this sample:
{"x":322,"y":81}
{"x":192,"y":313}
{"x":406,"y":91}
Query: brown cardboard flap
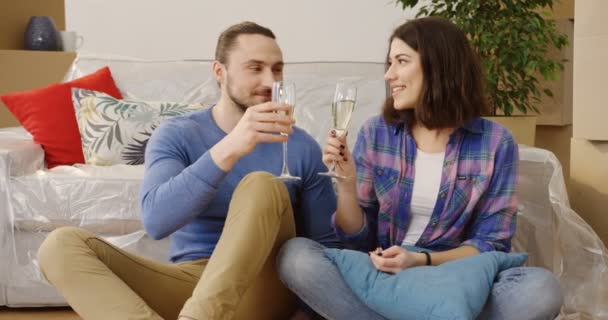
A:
{"x":25,"y":70}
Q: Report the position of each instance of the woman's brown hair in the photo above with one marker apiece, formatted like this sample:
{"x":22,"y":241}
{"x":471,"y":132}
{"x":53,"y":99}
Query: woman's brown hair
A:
{"x":453,"y":84}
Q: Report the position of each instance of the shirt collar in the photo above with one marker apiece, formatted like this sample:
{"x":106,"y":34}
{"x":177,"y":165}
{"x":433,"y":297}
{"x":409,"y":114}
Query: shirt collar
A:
{"x":474,"y":126}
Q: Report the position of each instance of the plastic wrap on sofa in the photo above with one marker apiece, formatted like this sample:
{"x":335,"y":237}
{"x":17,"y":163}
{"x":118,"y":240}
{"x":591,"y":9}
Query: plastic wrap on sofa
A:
{"x":104,"y":200}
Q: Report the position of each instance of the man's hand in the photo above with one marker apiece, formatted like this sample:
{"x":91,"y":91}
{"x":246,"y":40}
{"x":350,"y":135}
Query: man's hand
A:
{"x":259,"y":124}
{"x":394,"y":259}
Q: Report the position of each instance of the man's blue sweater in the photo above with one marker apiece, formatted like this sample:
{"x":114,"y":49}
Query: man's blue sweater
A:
{"x":185,"y":195}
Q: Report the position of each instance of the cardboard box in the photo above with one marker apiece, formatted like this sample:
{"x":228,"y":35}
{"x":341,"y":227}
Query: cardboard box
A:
{"x":557,"y":110}
{"x":523,"y":128}
{"x":16,"y":14}
{"x":589,"y":183}
{"x":590,"y":18}
{"x":590,"y":106}
{"x":25,"y":70}
{"x":557,"y":140}
{"x":564,"y":9}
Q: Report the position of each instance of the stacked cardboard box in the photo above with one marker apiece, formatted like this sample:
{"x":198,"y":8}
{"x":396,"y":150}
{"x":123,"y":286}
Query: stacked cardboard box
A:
{"x":554,"y":129}
{"x":557,"y":110}
{"x":20,"y":69}
{"x":589,"y":146}
{"x":563,"y":9}
{"x":554,"y":123}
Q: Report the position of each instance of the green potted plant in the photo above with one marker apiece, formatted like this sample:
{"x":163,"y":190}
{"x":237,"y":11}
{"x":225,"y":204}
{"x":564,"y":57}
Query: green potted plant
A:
{"x":513,"y":39}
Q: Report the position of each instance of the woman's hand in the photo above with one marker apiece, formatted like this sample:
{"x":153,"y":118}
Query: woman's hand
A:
{"x":336,"y":152}
{"x":394,"y":259}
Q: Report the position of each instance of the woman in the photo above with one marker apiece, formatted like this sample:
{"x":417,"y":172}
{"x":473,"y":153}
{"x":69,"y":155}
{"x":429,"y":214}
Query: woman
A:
{"x":428,"y":172}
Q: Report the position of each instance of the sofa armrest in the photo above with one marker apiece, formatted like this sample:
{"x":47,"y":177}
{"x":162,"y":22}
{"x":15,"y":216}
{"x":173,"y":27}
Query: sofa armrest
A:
{"x":19,"y":155}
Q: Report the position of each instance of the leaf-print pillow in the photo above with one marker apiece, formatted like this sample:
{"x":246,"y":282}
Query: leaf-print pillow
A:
{"x":116,"y":131}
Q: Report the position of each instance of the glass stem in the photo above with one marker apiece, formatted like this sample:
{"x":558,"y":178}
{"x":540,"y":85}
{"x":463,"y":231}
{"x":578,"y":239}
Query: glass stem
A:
{"x":285,"y":170}
{"x":333,"y":167}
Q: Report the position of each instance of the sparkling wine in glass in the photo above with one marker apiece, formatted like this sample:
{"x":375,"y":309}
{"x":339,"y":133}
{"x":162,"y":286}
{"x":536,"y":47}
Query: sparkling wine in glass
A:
{"x":341,"y":111}
{"x":285,"y":92}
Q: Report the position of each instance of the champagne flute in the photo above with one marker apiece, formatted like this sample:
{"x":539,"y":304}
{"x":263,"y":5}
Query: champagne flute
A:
{"x":285,"y":92}
{"x":341,"y":111}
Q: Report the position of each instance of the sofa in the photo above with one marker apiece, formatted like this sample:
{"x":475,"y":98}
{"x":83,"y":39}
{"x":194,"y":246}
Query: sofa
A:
{"x":35,"y":200}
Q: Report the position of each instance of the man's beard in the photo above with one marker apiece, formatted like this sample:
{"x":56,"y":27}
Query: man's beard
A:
{"x":237,"y":102}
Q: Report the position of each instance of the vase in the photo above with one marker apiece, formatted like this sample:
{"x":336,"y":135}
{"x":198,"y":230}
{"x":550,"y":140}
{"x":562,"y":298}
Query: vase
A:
{"x":41,"y":34}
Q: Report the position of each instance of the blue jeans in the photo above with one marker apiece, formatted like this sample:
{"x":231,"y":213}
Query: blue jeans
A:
{"x":518,"y":293}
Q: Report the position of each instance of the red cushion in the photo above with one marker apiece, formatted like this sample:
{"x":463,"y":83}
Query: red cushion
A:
{"x":48,"y":115}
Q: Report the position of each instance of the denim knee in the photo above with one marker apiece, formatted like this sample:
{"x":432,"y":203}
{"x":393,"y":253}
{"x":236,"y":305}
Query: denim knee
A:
{"x":525,"y":293}
{"x":546,"y":290}
{"x":296,"y":261}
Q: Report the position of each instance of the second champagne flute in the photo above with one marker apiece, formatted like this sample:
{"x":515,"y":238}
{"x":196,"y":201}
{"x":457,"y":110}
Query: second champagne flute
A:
{"x":341,"y":111}
{"x":285,"y":92}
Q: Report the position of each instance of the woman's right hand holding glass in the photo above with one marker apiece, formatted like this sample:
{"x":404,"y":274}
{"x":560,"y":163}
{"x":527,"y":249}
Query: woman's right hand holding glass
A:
{"x":336,"y":152}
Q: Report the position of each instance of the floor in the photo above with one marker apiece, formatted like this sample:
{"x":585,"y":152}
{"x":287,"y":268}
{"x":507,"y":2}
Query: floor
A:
{"x":37,"y":314}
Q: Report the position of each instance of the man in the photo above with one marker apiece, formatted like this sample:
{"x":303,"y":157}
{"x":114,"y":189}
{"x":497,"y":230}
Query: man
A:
{"x":202,"y":187}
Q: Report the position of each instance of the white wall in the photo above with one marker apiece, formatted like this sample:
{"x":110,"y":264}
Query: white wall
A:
{"x":307,"y":30}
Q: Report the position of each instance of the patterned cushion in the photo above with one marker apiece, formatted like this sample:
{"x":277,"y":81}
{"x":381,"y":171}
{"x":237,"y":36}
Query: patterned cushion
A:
{"x":116,"y":131}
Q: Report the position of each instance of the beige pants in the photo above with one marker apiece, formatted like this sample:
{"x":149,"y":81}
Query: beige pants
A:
{"x":101,"y":281}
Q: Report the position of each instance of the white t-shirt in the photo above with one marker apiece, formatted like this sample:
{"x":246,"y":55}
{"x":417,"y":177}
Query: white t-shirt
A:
{"x":427,"y":181}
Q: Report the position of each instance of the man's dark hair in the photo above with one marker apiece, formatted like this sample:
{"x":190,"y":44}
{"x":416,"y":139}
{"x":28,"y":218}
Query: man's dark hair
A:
{"x":227,"y":39}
